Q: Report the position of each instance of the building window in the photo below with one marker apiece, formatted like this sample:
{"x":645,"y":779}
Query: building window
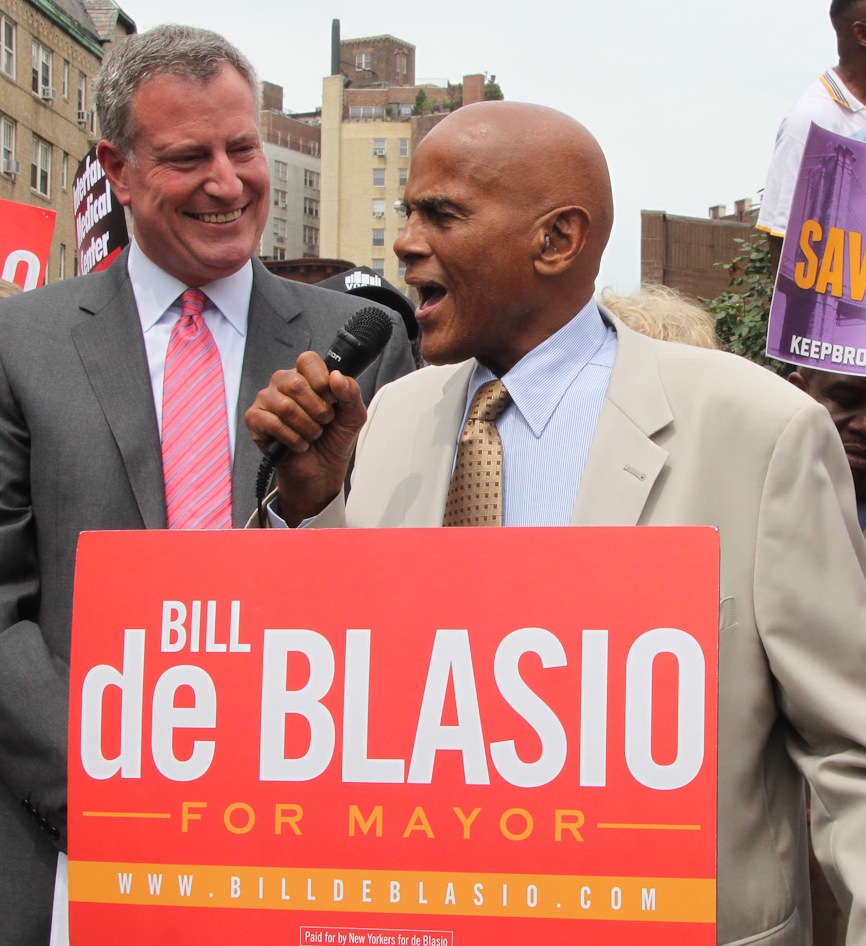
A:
{"x":281,"y":170}
{"x":401,"y":269}
{"x":7,"y":54}
{"x":64,"y":171}
{"x":404,"y":176}
{"x":311,"y":207}
{"x":82,"y":93}
{"x":7,"y":143}
{"x":311,"y":179}
{"x":379,"y":147}
{"x":378,"y":207}
{"x":378,"y":177}
{"x":64,"y":85}
{"x":364,"y":61}
{"x":369,"y":113}
{"x":279,"y":252}
{"x":40,"y":167}
{"x":404,"y":147}
{"x":281,"y":198}
{"x":378,"y":237}
{"x":378,"y":266}
{"x":40,"y":81}
{"x":61,"y":272}
{"x":280,"y":228}
{"x":401,"y":63}
{"x":311,"y":236}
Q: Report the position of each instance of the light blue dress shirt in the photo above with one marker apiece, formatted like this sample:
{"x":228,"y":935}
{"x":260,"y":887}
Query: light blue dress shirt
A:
{"x":557,"y":391}
{"x":226,"y":313}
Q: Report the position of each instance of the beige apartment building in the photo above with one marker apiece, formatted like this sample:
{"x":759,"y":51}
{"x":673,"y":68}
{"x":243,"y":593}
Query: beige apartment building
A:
{"x":372,"y":118}
{"x":49,"y":52}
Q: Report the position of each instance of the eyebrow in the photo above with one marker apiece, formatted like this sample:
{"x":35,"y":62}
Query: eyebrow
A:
{"x":436,"y":204}
{"x":199,"y":147}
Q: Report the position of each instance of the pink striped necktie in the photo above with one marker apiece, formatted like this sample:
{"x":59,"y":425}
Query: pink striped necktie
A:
{"x":196,"y":459}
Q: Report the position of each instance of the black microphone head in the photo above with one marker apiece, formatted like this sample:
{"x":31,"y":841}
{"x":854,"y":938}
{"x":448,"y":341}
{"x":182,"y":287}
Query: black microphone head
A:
{"x":359,"y":342}
{"x":371,"y":326}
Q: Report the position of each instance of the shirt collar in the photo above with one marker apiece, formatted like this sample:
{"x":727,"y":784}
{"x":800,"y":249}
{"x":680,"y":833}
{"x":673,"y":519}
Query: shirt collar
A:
{"x":839,"y":93}
{"x":156,"y":291}
{"x":538,"y":382}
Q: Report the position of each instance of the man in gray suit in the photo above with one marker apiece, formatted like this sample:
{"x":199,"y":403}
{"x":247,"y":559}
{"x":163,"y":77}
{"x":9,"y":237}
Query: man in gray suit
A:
{"x":509,"y":209}
{"x":81,"y":371}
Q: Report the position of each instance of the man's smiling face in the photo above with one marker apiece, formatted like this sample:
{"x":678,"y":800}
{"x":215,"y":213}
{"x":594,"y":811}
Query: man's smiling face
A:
{"x":197,"y":181}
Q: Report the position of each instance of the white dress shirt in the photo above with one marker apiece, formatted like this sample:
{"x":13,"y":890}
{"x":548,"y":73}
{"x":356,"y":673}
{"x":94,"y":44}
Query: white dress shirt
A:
{"x":226,"y":313}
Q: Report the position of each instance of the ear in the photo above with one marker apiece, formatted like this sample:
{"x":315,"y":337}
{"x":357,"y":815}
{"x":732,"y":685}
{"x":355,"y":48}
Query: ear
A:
{"x":858,"y":28}
{"x":115,"y":164}
{"x":560,"y":238}
{"x":798,"y":380}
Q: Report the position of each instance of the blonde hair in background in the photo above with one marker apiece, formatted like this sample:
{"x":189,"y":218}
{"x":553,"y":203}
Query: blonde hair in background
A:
{"x":8,"y":288}
{"x":664,"y":313}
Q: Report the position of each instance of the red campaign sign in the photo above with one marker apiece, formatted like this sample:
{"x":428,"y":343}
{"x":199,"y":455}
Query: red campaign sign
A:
{"x":409,"y":737}
{"x":25,"y":243}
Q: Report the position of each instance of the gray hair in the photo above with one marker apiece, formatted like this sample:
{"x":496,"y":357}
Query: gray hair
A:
{"x":184,"y":51}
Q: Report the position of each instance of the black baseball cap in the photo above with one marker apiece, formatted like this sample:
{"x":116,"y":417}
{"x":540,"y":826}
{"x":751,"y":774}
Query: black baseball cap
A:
{"x":362,"y":281}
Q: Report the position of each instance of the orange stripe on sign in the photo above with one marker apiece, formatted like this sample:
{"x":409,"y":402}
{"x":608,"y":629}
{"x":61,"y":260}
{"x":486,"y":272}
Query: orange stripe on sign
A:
{"x":125,"y":814}
{"x":662,"y":899}
{"x":652,"y":827}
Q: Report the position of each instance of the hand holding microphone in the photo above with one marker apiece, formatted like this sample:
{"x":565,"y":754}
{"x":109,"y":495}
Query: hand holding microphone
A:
{"x":355,"y":348}
{"x":306,"y":421}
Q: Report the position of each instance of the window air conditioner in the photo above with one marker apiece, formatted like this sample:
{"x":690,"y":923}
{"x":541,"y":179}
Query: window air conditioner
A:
{"x":11,"y":166}
{"x":48,"y":94}
{"x":83,"y":118}
{"x":379,"y":152}
{"x":378,"y":213}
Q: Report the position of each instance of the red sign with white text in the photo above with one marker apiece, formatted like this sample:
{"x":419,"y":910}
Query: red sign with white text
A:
{"x":25,"y":243}
{"x":410,"y":737}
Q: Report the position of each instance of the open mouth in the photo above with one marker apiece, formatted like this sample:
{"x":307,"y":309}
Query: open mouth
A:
{"x":430,"y":294}
{"x":218,"y":218}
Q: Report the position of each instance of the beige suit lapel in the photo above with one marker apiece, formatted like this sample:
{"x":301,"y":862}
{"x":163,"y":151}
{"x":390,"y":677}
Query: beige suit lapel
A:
{"x":624,"y":462}
{"x":433,"y":449}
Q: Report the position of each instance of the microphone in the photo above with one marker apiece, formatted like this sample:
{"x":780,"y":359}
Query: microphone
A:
{"x":356,"y":346}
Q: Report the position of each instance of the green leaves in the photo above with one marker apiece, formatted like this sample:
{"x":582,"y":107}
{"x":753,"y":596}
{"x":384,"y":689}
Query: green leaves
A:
{"x":742,"y":310}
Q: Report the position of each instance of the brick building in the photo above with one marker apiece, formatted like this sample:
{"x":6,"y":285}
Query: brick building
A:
{"x":682,"y":252}
{"x":49,"y":52}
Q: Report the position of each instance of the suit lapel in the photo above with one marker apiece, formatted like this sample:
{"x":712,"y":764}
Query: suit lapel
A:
{"x":274,"y":341}
{"x":624,"y":462}
{"x":111,"y":347}
{"x":433,"y":447}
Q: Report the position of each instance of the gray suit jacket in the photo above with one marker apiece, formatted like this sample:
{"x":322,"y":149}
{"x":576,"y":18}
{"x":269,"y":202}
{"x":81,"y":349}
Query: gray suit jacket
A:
{"x":692,"y":437}
{"x":80,"y":450}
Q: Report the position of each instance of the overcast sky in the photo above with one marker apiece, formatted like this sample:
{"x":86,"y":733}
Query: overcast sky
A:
{"x":685,"y":96}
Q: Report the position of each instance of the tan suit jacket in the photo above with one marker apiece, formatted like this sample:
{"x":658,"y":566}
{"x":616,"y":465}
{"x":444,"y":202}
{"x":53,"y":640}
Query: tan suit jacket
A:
{"x":693,"y":437}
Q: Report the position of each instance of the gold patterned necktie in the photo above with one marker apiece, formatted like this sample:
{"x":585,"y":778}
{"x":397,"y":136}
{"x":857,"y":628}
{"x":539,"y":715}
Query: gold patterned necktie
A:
{"x":475,"y":497}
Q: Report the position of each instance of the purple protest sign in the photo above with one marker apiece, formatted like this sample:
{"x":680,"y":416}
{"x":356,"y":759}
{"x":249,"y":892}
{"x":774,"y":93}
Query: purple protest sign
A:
{"x":818,"y":314}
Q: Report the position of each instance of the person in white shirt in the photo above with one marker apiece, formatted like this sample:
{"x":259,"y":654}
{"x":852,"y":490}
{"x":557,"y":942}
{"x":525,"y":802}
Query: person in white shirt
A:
{"x":834,"y":101}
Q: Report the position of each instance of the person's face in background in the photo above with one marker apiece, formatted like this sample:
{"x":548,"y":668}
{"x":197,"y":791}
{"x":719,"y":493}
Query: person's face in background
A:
{"x":844,"y":396}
